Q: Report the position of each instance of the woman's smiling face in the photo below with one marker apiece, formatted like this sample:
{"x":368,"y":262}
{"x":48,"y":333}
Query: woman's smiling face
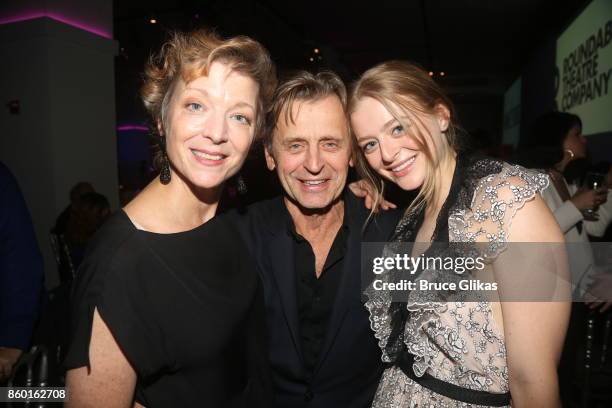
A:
{"x":390,"y":146}
{"x":210,"y":125}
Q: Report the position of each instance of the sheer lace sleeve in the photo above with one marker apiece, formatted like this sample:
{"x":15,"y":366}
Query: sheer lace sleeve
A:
{"x":496,"y":200}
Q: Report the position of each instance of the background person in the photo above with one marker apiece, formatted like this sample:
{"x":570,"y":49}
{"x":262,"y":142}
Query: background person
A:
{"x":556,"y":142}
{"x":558,"y":147}
{"x":87,"y":217}
{"x":76,"y":192}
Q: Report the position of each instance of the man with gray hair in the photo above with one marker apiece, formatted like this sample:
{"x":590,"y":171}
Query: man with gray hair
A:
{"x":307,"y":248}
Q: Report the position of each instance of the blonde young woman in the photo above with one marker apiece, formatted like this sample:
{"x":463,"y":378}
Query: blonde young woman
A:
{"x":166,"y":313}
{"x":460,"y":353}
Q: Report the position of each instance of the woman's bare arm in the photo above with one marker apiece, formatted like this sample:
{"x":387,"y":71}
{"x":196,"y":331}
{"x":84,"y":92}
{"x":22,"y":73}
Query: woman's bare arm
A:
{"x":110,"y":382}
{"x":535,"y":330}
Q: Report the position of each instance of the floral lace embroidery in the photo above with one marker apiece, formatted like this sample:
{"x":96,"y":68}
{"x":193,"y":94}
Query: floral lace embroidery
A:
{"x":491,"y":215}
{"x":457,"y":342}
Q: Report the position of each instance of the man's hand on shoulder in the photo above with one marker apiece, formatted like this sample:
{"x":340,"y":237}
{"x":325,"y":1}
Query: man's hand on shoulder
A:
{"x":363,"y":189}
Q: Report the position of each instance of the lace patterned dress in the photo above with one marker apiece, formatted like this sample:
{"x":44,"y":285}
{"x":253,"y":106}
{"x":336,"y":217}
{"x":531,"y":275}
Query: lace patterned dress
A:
{"x":458,"y":342}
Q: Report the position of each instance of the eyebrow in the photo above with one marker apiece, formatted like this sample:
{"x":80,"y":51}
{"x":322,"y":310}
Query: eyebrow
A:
{"x":236,"y":105}
{"x":327,"y":138}
{"x":382,"y":129}
{"x":293,"y":139}
{"x":243,"y":104}
{"x":388,"y":123}
{"x":203,"y":91}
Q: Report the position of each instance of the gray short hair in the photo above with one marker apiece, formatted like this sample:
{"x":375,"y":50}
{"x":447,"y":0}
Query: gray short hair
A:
{"x":302,"y":86}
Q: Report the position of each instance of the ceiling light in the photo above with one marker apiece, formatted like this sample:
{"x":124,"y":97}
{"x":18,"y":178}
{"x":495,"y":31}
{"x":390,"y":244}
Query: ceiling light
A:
{"x":153,"y":21}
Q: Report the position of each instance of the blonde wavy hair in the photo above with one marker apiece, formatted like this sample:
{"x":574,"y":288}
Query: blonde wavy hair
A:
{"x":188,"y":55}
{"x":408,"y":92}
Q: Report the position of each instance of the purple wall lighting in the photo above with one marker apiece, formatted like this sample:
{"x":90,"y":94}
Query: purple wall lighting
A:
{"x":59,"y":18}
{"x":129,"y":127}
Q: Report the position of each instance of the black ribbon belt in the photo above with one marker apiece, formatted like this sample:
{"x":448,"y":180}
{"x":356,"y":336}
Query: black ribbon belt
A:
{"x":449,"y":390}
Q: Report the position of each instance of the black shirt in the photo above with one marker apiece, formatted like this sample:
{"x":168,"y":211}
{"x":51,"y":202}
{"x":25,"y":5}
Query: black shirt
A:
{"x":316,"y":296}
{"x":349,"y":366}
{"x":186,"y":311}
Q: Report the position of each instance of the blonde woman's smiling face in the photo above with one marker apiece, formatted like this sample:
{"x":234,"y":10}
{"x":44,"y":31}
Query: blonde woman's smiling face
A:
{"x":389,"y":145}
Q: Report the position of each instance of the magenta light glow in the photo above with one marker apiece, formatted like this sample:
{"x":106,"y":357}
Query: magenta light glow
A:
{"x":126,"y":128}
{"x":59,"y":18}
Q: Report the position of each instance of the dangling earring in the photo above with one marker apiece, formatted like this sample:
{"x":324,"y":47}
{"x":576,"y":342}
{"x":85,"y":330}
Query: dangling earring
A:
{"x":241,"y":185}
{"x":571,"y":154}
{"x":164,"y":175}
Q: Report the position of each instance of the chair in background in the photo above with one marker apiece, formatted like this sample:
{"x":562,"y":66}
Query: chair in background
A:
{"x":63,"y":257}
{"x":596,"y":387}
{"x":32,"y":370}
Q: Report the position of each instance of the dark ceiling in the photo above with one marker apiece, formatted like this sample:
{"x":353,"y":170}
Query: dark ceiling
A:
{"x":479,"y":44}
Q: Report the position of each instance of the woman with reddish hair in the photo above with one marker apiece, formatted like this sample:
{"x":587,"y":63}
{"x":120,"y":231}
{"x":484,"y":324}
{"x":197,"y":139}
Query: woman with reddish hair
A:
{"x":165,"y":314}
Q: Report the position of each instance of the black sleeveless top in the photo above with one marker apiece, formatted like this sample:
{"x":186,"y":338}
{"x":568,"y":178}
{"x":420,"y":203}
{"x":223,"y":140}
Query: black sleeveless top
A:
{"x":186,"y":309}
